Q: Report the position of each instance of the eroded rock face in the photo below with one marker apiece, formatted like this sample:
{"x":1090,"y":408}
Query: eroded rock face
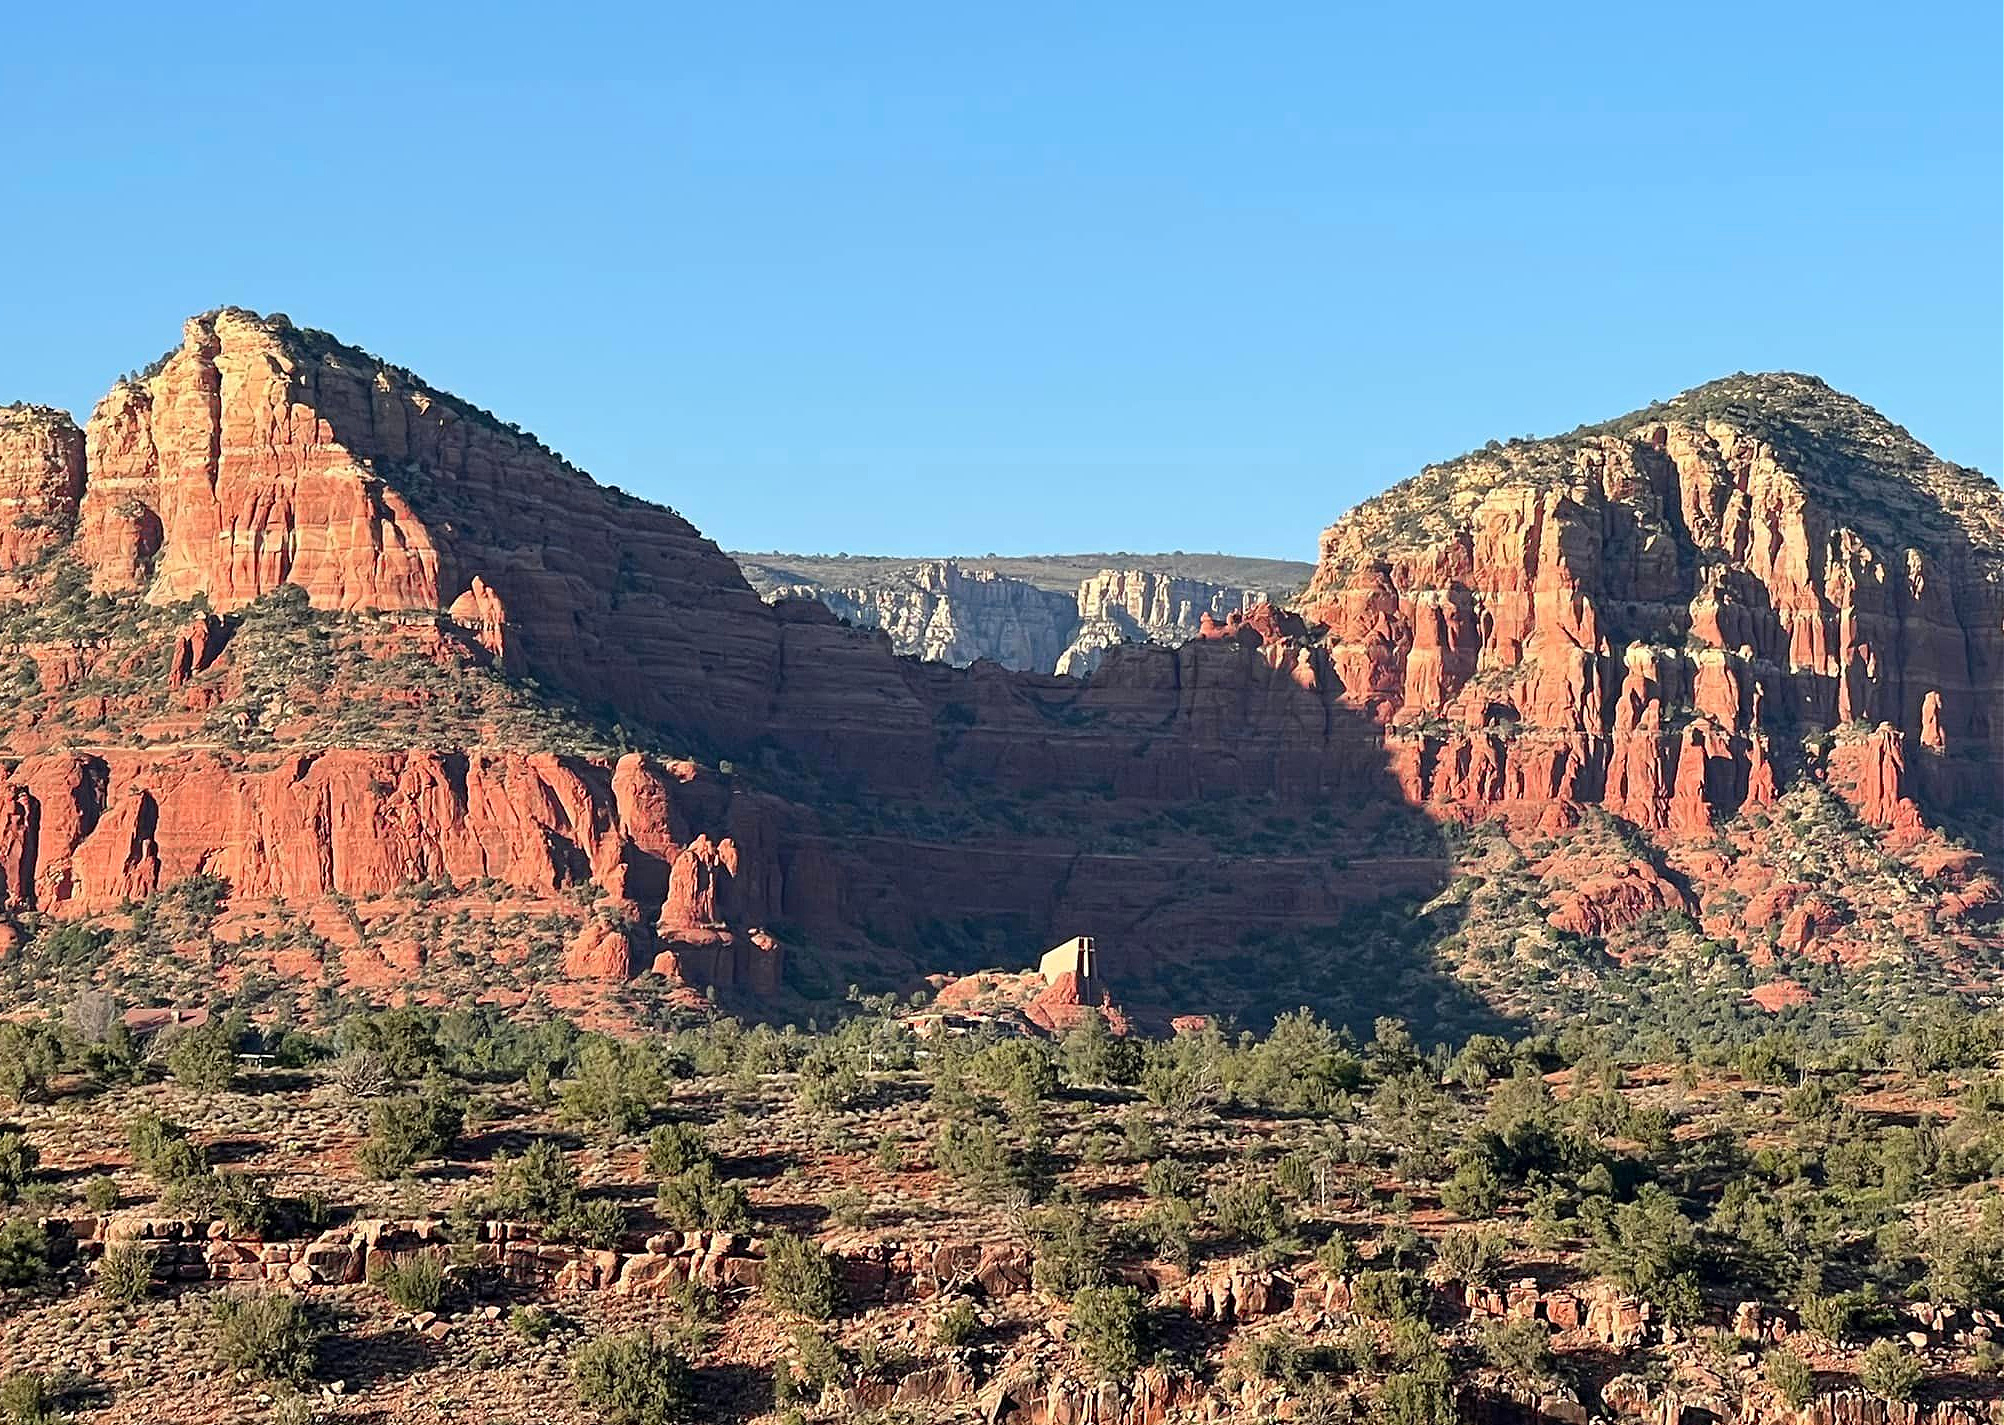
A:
{"x":258,"y":455}
{"x":82,"y":834}
{"x":41,"y":482}
{"x":1641,"y":617}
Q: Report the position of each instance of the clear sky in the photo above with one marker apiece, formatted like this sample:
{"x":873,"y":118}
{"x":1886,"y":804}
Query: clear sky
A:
{"x":929,"y":278}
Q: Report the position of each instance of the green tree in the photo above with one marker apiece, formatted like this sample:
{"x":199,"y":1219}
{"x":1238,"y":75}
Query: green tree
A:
{"x":1889,"y":1372}
{"x":632,"y":1379}
{"x":798,"y":1277}
{"x":1107,"y":1327}
{"x":204,"y":1058}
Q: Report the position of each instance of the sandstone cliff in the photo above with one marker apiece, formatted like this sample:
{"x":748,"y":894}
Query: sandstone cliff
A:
{"x":350,"y":633}
{"x":1658,"y":614}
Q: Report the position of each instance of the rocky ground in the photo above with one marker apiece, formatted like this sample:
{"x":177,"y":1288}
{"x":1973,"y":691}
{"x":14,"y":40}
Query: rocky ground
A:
{"x":1287,"y":1216}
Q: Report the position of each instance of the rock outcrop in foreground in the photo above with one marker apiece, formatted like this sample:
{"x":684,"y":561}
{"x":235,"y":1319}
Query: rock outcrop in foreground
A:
{"x":1671,"y":619}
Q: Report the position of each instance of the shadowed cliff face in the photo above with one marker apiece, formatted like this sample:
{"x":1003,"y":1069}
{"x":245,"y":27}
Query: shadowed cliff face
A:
{"x":1669,"y":618}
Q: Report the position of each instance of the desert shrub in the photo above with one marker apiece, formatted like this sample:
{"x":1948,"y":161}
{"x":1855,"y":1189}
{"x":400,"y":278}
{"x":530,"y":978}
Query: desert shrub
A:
{"x":406,"y":1130}
{"x":631,"y":1379}
{"x":417,"y":1283}
{"x":977,"y":1156}
{"x":204,"y":1058}
{"x":1279,"y":1356}
{"x":1889,"y":1372}
{"x":798,"y":1278}
{"x":404,"y":1039}
{"x":1106,"y":1330}
{"x":598,"y":1223}
{"x":18,"y":1161}
{"x":1790,"y":1376}
{"x":539,"y":1185}
{"x":24,"y":1252}
{"x":1470,"y":1254}
{"x":163,"y":1150}
{"x":1169,"y":1177}
{"x":268,"y":1335}
{"x":848,"y":1206}
{"x":615,"y":1087}
{"x":125,"y":1271}
{"x":362,"y":1073}
{"x":30,"y":1055}
{"x":1385,"y":1295}
{"x":956,"y":1325}
{"x":1474,"y":1190}
{"x":829,"y":1080}
{"x":242,"y":1200}
{"x":811,"y":1365}
{"x":1250,"y":1209}
{"x":1522,"y":1350}
{"x":1336,"y":1256}
{"x":100,"y":1193}
{"x":675,"y":1148}
{"x":1412,"y":1398}
{"x":1071,"y":1249}
{"x":1093,"y":1056}
{"x":530,"y":1323}
{"x":27,"y":1398}
{"x":702,"y":1198}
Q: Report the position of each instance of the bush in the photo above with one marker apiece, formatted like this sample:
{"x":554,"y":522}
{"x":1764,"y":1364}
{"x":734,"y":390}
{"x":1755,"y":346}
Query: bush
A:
{"x":1522,"y":1350}
{"x":615,"y":1088}
{"x":203,"y":1059}
{"x":798,"y":1277}
{"x":24,"y":1252}
{"x":267,"y":1335}
{"x":125,"y":1271}
{"x":674,"y":1148}
{"x":540,"y":1185}
{"x":530,"y":1323}
{"x":814,"y":1364}
{"x":163,"y":1150}
{"x":1106,"y":1330}
{"x":18,"y":1161}
{"x":631,"y":1379}
{"x":27,"y":1398}
{"x":1250,"y":1209}
{"x":599,"y":1223}
{"x":1889,"y":1372}
{"x":1412,"y":1398}
{"x":417,"y":1283}
{"x":1385,"y":1295}
{"x":1470,"y":1254}
{"x":100,"y":1193}
{"x":30,"y":1055}
{"x":1790,"y":1376}
{"x":701,"y":1198}
{"x":956,"y":1325}
{"x":409,"y":1129}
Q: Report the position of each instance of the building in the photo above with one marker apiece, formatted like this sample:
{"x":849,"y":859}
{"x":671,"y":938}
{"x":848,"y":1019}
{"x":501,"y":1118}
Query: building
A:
{"x":1076,"y":958}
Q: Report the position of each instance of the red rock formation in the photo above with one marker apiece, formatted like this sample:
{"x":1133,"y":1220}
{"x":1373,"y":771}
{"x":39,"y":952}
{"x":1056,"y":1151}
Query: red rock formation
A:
{"x":1547,"y":576}
{"x":41,"y":482}
{"x":81,"y":834}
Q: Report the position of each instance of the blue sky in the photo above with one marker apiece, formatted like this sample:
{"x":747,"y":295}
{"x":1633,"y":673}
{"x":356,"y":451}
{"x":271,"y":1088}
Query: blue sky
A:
{"x":951,"y":278}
